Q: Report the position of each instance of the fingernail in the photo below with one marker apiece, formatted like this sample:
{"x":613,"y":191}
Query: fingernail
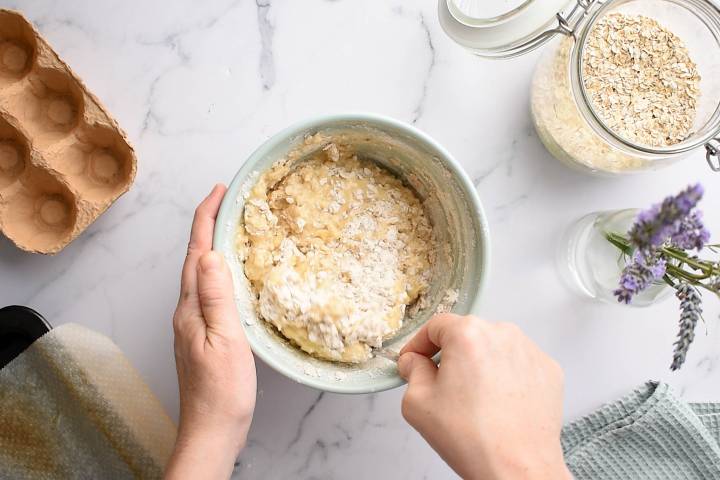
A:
{"x":404,"y":363}
{"x":211,"y":261}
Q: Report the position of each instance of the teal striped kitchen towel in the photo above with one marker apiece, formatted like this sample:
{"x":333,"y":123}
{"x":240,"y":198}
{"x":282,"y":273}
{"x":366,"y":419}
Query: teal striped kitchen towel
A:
{"x":648,"y":435}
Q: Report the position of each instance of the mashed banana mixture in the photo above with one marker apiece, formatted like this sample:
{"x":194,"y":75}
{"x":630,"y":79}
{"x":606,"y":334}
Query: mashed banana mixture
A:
{"x":335,"y":248}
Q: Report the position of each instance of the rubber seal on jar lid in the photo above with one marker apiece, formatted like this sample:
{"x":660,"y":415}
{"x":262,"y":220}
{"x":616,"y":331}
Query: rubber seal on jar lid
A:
{"x":19,"y":328}
{"x":515,"y":22}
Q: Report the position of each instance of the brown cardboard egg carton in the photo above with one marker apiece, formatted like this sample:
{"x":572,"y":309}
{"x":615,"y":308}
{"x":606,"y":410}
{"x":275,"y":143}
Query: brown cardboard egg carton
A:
{"x":63,"y":159}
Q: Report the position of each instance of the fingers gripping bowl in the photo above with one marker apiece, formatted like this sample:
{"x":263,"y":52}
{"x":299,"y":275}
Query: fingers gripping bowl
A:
{"x":450,"y":202}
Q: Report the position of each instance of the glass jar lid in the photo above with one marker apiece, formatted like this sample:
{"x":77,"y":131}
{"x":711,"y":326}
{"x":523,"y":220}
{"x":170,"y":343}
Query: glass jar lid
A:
{"x":479,"y":12}
{"x":508,"y":28}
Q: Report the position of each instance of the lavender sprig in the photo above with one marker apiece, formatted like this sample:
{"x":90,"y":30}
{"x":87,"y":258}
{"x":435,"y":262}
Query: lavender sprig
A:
{"x":639,"y":275}
{"x":654,"y":226}
{"x":691,"y":234}
{"x":672,"y":222}
{"x":691,"y":312}
{"x":659,"y":245}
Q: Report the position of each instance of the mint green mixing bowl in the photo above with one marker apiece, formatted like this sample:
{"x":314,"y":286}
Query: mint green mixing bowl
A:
{"x":453,"y":207}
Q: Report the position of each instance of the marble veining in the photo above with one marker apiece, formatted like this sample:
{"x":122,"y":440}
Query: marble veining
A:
{"x":265,"y":26}
{"x":199,"y":85}
{"x":417,"y":113}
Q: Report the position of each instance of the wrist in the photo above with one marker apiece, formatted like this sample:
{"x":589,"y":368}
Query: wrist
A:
{"x":213,"y":427}
{"x":205,"y":453}
{"x":534,"y":468}
{"x":229,"y":438}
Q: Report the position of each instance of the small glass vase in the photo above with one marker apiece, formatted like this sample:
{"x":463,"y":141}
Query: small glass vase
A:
{"x":591,"y":266}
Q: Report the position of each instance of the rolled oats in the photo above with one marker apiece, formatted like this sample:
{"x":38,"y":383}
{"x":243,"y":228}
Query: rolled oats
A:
{"x":634,"y":82}
{"x":641,"y":80}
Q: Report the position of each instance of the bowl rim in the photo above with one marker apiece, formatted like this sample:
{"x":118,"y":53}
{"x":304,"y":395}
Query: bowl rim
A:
{"x":317,"y":123}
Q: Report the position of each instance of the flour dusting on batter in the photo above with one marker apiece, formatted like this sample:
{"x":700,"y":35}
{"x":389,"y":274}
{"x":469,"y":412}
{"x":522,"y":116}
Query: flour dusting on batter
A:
{"x":335,"y":248}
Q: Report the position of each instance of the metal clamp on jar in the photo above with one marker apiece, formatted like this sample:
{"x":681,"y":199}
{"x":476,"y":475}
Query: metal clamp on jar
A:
{"x":565,"y":117}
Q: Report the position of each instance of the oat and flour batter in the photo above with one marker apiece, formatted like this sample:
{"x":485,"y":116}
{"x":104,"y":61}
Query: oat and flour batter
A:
{"x":335,"y":249}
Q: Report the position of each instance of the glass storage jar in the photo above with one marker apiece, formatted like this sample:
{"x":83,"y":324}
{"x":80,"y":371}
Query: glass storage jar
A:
{"x":562,"y":111}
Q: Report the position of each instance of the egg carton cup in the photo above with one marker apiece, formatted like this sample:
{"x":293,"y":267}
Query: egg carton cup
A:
{"x":63,"y":159}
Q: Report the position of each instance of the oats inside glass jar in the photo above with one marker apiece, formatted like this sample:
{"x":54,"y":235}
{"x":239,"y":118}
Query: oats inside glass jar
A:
{"x":336,"y":249}
{"x":641,"y":79}
{"x":636,"y":80}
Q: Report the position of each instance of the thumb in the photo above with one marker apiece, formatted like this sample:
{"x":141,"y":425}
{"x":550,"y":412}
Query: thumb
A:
{"x":215,"y":293}
{"x":417,"y":369}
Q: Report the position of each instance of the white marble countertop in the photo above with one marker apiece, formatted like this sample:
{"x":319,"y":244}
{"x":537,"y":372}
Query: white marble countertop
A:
{"x":199,"y":85}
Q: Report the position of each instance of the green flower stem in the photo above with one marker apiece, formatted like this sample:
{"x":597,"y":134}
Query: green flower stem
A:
{"x":708,"y":269}
{"x":679,"y":272}
{"x":620,"y":242}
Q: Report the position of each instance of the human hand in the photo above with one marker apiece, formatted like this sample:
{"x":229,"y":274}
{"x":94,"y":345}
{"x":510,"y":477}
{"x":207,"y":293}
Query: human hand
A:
{"x":216,"y":369}
{"x":493,"y":408}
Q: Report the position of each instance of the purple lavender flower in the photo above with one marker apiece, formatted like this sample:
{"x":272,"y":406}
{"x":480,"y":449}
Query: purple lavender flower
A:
{"x":654,"y":226}
{"x":672,"y":220}
{"x":691,"y":233}
{"x":638,"y":275}
{"x":691,"y":308}
{"x":661,"y":241}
